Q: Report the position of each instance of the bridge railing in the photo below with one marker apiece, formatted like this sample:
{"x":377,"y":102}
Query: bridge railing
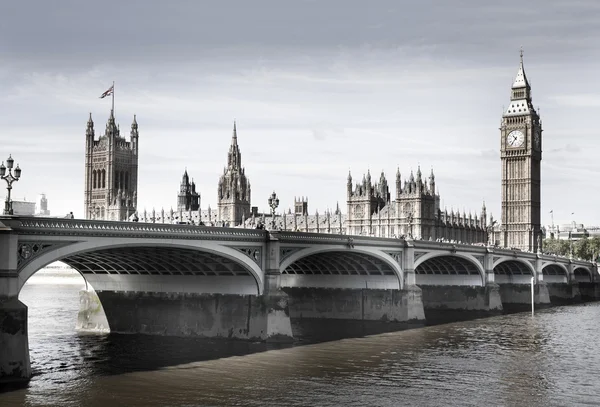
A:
{"x":59,"y":226}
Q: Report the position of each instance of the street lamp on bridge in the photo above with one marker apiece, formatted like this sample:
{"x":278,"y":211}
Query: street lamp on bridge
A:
{"x":273,"y":204}
{"x":9,"y":178}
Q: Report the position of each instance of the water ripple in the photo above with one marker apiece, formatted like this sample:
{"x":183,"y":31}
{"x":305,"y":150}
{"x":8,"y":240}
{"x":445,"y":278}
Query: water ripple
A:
{"x":513,"y":360}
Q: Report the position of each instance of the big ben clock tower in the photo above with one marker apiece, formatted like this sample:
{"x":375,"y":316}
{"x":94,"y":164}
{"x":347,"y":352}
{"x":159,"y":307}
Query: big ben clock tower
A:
{"x":521,"y":153}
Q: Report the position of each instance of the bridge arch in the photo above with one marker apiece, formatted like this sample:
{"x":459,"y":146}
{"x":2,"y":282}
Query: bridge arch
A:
{"x":442,"y":268}
{"x":513,"y":270}
{"x":155,"y":265}
{"x":341,"y":267}
{"x":555,"y":273}
{"x":582,"y":274}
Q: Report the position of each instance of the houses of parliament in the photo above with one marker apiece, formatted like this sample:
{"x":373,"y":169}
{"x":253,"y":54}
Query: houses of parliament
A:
{"x":412,"y":210}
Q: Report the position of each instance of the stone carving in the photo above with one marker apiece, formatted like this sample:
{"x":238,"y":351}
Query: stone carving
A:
{"x":419,"y":254}
{"x":253,"y":252}
{"x":396,"y":256}
{"x":27,"y":251}
{"x":480,"y":259}
{"x":285,"y":252}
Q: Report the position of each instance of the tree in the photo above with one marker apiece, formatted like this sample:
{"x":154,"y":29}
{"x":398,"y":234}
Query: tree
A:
{"x":556,"y":246}
{"x":584,"y":248}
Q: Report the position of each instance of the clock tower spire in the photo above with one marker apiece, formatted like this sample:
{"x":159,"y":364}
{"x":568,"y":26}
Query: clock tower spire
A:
{"x":521,"y":156}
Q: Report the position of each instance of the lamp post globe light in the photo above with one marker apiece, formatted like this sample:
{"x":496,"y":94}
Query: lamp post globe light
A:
{"x":9,"y":178}
{"x":273,"y":204}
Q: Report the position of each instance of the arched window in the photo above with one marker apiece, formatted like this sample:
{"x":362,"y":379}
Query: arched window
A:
{"x":94,"y":174}
{"x":122,"y":180}
{"x":103,"y":178}
{"x":127,"y":181}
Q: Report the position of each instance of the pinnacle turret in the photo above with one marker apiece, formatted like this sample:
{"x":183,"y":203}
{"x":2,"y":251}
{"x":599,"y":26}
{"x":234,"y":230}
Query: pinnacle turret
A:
{"x":521,"y":79}
{"x":234,"y":137}
{"x":90,"y":127}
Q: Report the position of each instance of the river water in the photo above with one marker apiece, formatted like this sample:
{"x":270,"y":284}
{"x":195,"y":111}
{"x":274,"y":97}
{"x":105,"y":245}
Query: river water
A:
{"x":552,"y":359}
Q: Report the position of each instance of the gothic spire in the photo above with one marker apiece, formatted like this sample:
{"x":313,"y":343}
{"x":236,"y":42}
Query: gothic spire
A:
{"x":134,"y":127}
{"x":521,"y":78}
{"x":234,"y":138}
{"x":234,"y":159}
{"x":90,"y":126}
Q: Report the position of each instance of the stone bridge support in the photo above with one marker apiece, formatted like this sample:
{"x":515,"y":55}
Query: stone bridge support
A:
{"x":414,"y":293}
{"x":15,"y":367}
{"x":277,"y":324}
{"x":573,"y":284}
{"x":541,"y":293}
{"x":492,"y":289}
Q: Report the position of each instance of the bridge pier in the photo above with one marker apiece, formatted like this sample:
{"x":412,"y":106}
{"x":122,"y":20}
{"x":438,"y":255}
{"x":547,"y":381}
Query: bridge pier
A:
{"x":91,"y":316}
{"x":15,"y":366}
{"x":250,"y":317}
{"x":561,"y":293}
{"x":356,"y":304}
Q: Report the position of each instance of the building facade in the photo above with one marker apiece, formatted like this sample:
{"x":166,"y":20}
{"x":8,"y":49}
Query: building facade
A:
{"x":23,"y":208}
{"x":413,"y":213}
{"x":521,"y":156}
{"x":233,"y":195}
{"x":41,"y":206}
{"x":187,"y":199}
{"x":111,"y":172}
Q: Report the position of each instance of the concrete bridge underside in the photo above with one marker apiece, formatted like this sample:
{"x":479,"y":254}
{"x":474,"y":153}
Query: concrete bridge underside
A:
{"x":163,"y":269}
{"x":341,"y":269}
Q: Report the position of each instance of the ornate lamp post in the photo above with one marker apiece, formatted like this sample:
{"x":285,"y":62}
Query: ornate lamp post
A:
{"x":273,"y":204}
{"x":9,"y":178}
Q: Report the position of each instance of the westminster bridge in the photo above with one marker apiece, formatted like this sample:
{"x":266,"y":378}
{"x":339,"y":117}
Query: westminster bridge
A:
{"x":248,"y":283}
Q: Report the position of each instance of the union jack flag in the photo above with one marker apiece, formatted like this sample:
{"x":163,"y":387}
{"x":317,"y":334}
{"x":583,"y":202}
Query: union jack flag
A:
{"x":108,"y":92}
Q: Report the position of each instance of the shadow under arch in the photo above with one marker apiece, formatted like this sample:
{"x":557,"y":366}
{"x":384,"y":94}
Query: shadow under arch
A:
{"x":555,"y":273}
{"x":155,"y":266}
{"x":335,"y":267}
{"x":582,"y":275}
{"x":448,"y":269}
{"x":513,"y":271}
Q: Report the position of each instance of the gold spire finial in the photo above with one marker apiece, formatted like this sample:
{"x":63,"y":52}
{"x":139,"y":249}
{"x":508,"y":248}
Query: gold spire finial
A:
{"x":521,"y":53}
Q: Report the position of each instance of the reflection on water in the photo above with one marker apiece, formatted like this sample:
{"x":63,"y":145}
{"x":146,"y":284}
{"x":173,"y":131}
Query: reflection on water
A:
{"x":512,"y":360}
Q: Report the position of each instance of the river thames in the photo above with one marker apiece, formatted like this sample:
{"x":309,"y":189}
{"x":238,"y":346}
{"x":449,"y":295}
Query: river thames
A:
{"x":551,"y":359}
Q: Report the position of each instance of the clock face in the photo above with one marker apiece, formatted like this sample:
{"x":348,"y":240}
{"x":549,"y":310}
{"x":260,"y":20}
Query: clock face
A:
{"x":515,"y":138}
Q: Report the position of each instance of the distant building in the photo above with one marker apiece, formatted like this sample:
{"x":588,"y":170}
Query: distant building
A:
{"x":414,"y":212}
{"x":23,"y":208}
{"x":111,"y":172}
{"x":300,"y":205}
{"x":187,"y":199}
{"x":521,"y":156}
{"x":233,"y":194}
{"x":41,"y":206}
{"x":573,"y":231}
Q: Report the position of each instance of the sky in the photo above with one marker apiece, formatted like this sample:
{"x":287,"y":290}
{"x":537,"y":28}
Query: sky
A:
{"x":317,"y":88}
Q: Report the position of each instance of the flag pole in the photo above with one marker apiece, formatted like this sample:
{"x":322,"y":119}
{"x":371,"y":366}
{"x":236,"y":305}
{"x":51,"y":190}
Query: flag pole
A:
{"x":113,"y":99}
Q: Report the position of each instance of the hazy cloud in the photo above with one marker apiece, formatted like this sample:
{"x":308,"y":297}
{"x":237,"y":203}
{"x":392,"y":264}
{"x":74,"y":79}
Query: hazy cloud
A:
{"x":316,"y":88}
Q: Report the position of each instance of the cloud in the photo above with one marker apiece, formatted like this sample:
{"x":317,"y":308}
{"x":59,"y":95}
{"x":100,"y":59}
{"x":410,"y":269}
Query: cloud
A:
{"x":316,"y":88}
